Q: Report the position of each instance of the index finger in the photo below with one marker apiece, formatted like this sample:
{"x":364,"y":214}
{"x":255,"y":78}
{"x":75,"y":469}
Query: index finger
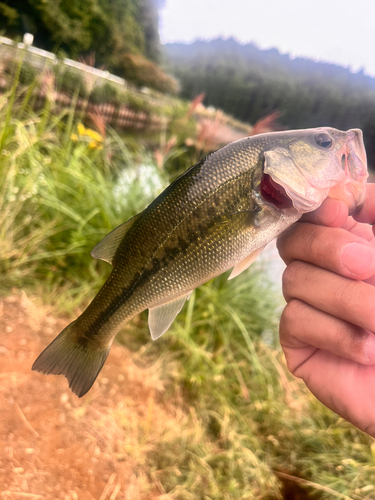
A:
{"x":332,"y":213}
{"x":334,"y":249}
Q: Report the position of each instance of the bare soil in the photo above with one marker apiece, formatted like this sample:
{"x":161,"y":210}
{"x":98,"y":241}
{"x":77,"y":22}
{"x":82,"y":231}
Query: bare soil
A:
{"x":54,"y":445}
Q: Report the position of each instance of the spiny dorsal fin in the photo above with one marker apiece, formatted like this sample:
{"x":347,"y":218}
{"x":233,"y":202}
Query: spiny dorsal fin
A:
{"x":160,"y":318}
{"x":106,"y":249}
{"x":245,"y":263}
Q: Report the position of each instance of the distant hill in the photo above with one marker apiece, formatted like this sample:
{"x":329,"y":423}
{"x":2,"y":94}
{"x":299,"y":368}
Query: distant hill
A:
{"x":248,"y":83}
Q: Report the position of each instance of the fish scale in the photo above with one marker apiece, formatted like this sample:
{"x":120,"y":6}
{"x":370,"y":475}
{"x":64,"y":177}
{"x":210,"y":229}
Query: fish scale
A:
{"x":218,"y":215}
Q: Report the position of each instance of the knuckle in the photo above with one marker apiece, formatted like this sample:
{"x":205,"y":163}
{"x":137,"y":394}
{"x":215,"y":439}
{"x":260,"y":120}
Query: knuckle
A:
{"x":292,"y":323}
{"x":289,"y":362}
{"x":289,"y":318}
{"x":347,"y":293}
{"x":293,"y":273}
{"x":284,"y":242}
{"x":315,"y":238}
{"x":368,"y":302}
{"x":362,"y":300}
{"x":323,"y":244}
{"x":349,"y":340}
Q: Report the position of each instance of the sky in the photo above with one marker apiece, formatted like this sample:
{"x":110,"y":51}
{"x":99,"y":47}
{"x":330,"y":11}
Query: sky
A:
{"x":338,"y":31}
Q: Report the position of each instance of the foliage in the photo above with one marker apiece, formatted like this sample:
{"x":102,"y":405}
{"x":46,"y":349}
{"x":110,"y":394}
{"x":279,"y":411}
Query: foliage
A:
{"x":88,"y":136}
{"x":114,"y":29}
{"x":139,"y":70}
{"x":106,"y":93}
{"x":27,"y":73}
{"x":249,"y":83}
{"x":71,"y":81}
{"x":9,"y":14}
{"x":149,"y":19}
{"x":56,"y":197}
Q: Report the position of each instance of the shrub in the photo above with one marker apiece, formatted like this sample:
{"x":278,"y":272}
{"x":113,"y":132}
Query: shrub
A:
{"x":106,"y":93}
{"x":143,"y":72}
{"x":71,"y":81}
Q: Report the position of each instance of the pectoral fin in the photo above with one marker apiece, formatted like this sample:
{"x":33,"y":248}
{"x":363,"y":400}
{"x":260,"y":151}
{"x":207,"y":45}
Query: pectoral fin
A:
{"x":106,"y":249}
{"x":160,"y":318}
{"x":245,"y":263}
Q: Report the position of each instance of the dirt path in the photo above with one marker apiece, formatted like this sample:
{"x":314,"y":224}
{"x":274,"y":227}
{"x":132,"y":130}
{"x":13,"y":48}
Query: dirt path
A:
{"x":56,"y":446}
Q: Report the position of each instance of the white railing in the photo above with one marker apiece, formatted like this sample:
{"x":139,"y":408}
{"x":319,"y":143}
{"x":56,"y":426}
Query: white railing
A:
{"x":45,"y":56}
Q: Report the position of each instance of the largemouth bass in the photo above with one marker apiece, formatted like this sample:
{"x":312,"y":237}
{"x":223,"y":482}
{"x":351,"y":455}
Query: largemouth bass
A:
{"x":218,"y":215}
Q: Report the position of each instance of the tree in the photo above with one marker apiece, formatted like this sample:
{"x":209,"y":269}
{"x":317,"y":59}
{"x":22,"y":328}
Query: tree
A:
{"x":122,"y":33}
{"x":249,"y":83}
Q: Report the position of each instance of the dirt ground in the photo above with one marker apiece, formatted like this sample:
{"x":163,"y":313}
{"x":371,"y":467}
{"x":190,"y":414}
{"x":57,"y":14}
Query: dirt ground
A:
{"x":54,"y":445}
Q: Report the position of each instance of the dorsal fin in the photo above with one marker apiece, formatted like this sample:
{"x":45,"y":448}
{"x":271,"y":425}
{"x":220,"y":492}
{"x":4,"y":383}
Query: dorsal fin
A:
{"x":106,"y":249}
{"x":245,"y":263}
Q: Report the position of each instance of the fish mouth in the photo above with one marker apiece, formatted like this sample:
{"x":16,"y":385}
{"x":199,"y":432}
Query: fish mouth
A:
{"x":273,"y":193}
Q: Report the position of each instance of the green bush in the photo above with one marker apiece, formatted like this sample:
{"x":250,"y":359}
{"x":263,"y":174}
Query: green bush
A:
{"x":106,"y":93}
{"x":143,"y":72}
{"x":70,"y":81}
{"x":27,"y":74}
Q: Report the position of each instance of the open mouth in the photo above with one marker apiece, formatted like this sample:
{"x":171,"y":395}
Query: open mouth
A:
{"x":272,"y":192}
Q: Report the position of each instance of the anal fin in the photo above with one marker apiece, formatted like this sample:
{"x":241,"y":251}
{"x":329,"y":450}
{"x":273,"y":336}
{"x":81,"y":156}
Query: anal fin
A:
{"x":245,"y":263}
{"x":160,"y":318}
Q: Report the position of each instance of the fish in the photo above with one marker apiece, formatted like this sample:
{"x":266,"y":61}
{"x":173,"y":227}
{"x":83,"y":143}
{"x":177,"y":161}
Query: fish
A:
{"x":218,"y":215}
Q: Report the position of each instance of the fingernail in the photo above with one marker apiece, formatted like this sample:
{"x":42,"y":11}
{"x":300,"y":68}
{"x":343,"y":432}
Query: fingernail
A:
{"x":370,"y":348}
{"x":358,"y":258}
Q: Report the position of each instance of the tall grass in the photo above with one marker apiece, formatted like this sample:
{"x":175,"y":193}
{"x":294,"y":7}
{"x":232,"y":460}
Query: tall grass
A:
{"x":243,"y":422}
{"x":57,"y":198}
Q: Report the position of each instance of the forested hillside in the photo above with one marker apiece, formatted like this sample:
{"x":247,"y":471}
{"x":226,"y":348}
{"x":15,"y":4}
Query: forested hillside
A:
{"x":248,"y":83}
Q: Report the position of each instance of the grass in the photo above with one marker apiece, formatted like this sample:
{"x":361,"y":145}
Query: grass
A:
{"x":242,"y":423}
{"x":57,"y":199}
{"x":247,"y":423}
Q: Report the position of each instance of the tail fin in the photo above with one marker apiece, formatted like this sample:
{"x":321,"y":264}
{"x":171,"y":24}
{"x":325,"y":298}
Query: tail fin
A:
{"x":80,"y":364}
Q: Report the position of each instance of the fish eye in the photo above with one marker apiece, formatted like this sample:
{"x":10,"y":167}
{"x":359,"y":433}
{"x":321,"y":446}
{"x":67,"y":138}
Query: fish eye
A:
{"x":323,"y":140}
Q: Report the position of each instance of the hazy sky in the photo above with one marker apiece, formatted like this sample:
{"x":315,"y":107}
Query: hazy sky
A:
{"x":339,"y":31}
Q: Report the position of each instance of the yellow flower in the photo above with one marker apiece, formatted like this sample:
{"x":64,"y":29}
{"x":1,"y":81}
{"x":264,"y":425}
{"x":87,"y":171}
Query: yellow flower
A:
{"x":93,"y":138}
{"x":96,"y":145}
{"x":81,"y":129}
{"x":94,"y":135}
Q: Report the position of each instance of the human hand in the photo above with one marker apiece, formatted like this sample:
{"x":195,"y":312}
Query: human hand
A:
{"x":327,"y":329}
